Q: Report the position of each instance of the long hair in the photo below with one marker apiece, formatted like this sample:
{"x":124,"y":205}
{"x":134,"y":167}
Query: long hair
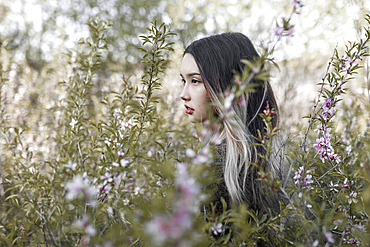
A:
{"x":218,"y":57}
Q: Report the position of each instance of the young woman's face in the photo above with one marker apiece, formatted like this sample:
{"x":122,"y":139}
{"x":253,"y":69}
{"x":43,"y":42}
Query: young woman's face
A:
{"x":194,"y":93}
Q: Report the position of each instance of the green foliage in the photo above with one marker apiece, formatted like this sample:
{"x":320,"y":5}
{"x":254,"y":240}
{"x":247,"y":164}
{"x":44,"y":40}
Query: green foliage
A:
{"x":121,"y":172}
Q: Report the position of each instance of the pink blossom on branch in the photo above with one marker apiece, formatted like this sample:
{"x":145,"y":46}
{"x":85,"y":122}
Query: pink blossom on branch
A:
{"x":298,"y":5}
{"x":173,"y":227}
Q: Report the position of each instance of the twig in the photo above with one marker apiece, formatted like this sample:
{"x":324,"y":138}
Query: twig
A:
{"x":295,"y":210}
{"x":317,"y":102}
{"x":42,"y":214}
{"x":43,"y":233}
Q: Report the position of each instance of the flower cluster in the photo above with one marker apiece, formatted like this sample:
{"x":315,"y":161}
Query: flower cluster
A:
{"x":202,"y":157}
{"x":81,"y":187}
{"x":161,"y":227}
{"x":106,"y":186}
{"x":209,"y":133}
{"x":124,"y":124}
{"x":301,"y":179}
{"x":352,"y":241}
{"x":347,"y":62}
{"x":352,"y":224}
{"x":84,"y":224}
{"x":323,"y":145}
{"x":268,"y":111}
{"x":111,"y":178}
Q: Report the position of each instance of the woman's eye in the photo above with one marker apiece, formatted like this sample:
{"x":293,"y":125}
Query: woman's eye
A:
{"x":195,"y":81}
{"x":183,"y":80}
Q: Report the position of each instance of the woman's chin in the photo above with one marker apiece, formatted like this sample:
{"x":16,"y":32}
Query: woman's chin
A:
{"x":194,"y":119}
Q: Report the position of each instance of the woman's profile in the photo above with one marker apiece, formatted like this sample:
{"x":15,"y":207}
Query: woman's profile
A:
{"x":207,"y":70}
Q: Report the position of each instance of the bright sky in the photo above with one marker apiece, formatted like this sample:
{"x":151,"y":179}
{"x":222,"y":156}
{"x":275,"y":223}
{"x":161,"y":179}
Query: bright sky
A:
{"x":320,"y":40}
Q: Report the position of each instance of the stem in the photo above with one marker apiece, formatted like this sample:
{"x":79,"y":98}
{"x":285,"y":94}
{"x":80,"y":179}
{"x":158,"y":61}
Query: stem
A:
{"x":42,"y":215}
{"x":310,"y":122}
{"x":296,"y":211}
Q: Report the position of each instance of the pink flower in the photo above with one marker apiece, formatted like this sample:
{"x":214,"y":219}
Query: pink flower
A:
{"x":278,"y":31}
{"x":297,"y":6}
{"x":307,"y":180}
{"x":162,"y":227}
{"x":298,"y":174}
{"x":329,"y":237}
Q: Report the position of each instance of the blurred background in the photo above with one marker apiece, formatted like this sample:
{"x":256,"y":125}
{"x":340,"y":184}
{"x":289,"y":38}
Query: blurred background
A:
{"x":36,"y":35}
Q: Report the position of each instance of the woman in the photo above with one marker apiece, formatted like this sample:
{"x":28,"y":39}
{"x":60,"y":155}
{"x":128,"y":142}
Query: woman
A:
{"x":207,"y":69}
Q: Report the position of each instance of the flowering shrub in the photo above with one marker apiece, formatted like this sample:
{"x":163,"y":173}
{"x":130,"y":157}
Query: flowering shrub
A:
{"x":119,"y":172}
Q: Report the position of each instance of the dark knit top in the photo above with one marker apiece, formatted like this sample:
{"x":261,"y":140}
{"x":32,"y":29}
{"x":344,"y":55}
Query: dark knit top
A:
{"x":254,"y":196}
{"x":219,"y":186}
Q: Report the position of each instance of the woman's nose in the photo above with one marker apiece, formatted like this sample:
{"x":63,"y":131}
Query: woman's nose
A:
{"x":185,"y":94}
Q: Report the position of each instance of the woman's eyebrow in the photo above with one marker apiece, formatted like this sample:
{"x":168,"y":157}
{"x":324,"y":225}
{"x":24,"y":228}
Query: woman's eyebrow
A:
{"x":190,"y":74}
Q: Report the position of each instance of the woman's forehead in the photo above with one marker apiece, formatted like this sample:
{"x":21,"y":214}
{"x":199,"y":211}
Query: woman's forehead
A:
{"x":188,"y":65}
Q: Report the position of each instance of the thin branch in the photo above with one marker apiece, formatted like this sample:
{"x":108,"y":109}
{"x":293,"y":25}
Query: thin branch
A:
{"x":46,"y":225}
{"x":296,"y":211}
{"x":317,"y":102}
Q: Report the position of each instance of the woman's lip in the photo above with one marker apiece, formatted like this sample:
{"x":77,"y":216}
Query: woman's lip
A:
{"x":189,"y":111}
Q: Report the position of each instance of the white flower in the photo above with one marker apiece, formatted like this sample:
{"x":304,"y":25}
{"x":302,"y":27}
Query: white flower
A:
{"x":107,"y":177}
{"x":332,"y":186}
{"x":75,"y":187}
{"x":203,"y":157}
{"x":84,"y":224}
{"x":150,"y":152}
{"x":351,"y":197}
{"x":298,"y":175}
{"x":138,"y":190}
{"x":124,"y":162}
{"x":345,"y":185}
{"x":130,"y":123}
{"x":120,"y":177}
{"x":71,"y":165}
{"x":216,"y":229}
{"x":229,"y":100}
{"x":80,"y":186}
{"x":73,"y":123}
{"x":190,"y":153}
{"x":215,"y":139}
{"x":117,"y":112}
